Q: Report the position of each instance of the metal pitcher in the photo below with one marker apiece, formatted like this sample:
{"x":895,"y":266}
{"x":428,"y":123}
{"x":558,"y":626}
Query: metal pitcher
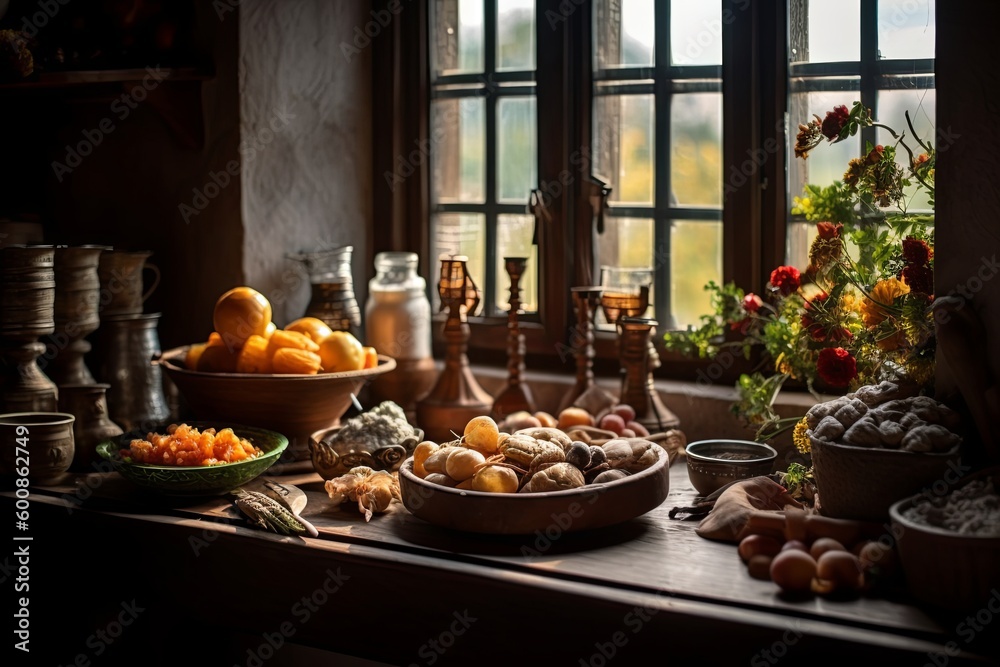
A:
{"x":127,"y":345}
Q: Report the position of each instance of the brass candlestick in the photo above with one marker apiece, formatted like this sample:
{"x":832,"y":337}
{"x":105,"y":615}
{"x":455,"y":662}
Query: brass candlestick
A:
{"x":585,"y":302}
{"x":639,"y":359}
{"x":514,"y":395}
{"x":456,"y":397}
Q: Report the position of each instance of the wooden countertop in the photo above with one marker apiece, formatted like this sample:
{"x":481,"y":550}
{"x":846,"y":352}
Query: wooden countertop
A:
{"x":649,"y":584}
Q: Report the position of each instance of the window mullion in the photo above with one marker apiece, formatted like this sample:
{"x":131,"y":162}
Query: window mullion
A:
{"x":662,"y":186}
{"x":489,"y":67}
{"x":869,"y":65}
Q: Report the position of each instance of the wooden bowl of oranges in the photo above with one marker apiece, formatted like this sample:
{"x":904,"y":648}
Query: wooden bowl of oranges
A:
{"x":296,"y":381}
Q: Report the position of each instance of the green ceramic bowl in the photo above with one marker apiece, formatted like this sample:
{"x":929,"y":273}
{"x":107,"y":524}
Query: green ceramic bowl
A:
{"x":196,"y":480}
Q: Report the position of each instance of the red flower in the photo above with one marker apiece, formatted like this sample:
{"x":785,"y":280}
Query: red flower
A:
{"x":835,"y":121}
{"x":916,"y":252}
{"x":920,"y":160}
{"x":786,"y":279}
{"x":875,"y":154}
{"x":752,"y":303}
{"x":919,"y":278}
{"x":836,"y":366}
{"x":828,"y":230}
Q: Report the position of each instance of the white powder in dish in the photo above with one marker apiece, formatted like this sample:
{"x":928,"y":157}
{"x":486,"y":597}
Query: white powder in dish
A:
{"x":973,"y":509}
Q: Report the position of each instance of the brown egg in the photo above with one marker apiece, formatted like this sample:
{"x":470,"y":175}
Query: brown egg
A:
{"x":842,"y":568}
{"x":793,"y":570}
{"x":753,"y":545}
{"x":824,"y":544}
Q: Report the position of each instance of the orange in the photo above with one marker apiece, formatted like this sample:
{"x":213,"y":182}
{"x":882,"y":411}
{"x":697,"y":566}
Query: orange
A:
{"x":240,"y":313}
{"x":341,"y":351}
{"x":313,"y":327}
{"x":218,"y":359}
{"x":193,"y":354}
{"x":292,"y":360}
{"x":254,"y":357}
{"x":371,"y":357}
{"x":293,"y":339}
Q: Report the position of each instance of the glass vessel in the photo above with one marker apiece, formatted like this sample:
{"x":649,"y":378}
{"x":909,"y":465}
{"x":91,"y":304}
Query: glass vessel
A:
{"x":398,"y":324}
{"x":332,"y":299}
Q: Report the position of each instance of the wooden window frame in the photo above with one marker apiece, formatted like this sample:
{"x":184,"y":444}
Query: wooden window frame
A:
{"x":754,"y":81}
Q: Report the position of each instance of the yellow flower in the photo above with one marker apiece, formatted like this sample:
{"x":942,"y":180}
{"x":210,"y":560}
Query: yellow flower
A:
{"x":874,"y":310}
{"x":848,"y":302}
{"x":799,"y":437}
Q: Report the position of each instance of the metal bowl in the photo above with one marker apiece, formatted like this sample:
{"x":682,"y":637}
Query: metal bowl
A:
{"x":709,"y":467}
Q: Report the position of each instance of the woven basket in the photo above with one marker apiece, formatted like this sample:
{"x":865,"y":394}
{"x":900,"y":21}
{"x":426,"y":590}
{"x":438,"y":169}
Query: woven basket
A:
{"x":863,"y":482}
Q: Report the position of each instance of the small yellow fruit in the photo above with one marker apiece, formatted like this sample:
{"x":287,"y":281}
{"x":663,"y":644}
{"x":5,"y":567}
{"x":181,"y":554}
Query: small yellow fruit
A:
{"x":289,"y":339}
{"x":482,"y":434}
{"x":420,"y":454}
{"x":313,"y":327}
{"x":495,"y":479}
{"x":341,"y":351}
{"x":462,"y":464}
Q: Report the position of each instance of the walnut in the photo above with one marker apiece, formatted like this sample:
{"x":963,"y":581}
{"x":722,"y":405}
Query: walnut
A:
{"x":821,"y":410}
{"x":892,"y":434}
{"x":849,"y":414}
{"x":864,"y":433}
{"x":828,"y":429}
{"x":930,"y":438}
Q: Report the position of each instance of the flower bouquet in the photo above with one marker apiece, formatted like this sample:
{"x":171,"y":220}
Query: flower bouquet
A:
{"x":859,"y":313}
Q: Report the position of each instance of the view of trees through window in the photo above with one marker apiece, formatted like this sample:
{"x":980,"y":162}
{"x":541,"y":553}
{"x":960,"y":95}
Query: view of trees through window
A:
{"x":656,"y":127}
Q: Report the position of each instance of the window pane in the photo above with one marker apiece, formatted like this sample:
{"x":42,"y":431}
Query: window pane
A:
{"x":827,"y":162}
{"x":626,"y":243}
{"x":800,"y":237}
{"x":831,"y":32}
{"x":624,"y":33}
{"x":623,"y":141}
{"x":516,"y":34}
{"x":459,"y":148}
{"x":695,"y":32}
{"x":516,"y":152}
{"x":696,"y":149}
{"x":458,"y":38}
{"x":906,"y":29}
{"x":892,"y":107}
{"x":696,"y":258}
{"x":458,"y":234}
{"x":514,"y":234}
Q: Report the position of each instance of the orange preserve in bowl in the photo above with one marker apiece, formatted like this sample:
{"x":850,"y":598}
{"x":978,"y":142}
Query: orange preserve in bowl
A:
{"x":185,"y":445}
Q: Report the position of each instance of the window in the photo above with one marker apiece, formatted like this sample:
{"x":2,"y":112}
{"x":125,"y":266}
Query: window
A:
{"x":483,"y":128}
{"x":681,"y":113}
{"x":658,"y":142}
{"x":878,"y":51}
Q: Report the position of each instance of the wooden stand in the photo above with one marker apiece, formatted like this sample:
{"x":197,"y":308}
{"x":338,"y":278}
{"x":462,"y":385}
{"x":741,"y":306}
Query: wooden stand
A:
{"x":639,"y":358}
{"x":515,"y":395}
{"x":456,"y":397}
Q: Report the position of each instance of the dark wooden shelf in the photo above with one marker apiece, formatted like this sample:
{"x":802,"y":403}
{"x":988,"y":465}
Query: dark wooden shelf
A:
{"x":107,"y":76}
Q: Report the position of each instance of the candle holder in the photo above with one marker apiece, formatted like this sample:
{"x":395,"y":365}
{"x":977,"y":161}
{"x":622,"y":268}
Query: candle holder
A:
{"x":514,"y":395}
{"x":639,"y":359}
{"x":625,"y":293}
{"x":27,"y":295}
{"x":586,"y":300}
{"x":456,"y":397}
